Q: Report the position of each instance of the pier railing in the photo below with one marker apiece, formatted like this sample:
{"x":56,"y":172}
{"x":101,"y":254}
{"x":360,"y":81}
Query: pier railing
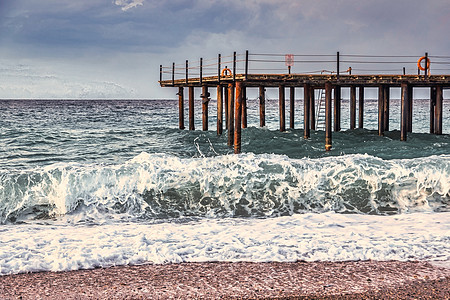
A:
{"x":337,"y":64}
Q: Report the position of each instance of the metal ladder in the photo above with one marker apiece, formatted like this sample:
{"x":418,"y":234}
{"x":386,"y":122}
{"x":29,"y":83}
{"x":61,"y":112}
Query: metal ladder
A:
{"x":320,"y":115}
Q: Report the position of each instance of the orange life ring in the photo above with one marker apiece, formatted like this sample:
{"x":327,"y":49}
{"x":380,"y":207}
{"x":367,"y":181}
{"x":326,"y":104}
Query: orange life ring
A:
{"x":420,"y":60}
{"x":226,"y":72}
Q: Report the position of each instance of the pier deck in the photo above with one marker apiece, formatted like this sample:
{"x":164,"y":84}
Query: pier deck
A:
{"x":231,"y":87}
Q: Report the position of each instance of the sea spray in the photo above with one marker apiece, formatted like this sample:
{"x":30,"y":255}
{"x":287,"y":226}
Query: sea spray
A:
{"x":163,"y":186}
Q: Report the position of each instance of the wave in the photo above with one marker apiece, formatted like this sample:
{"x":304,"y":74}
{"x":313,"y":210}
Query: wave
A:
{"x":162,"y":186}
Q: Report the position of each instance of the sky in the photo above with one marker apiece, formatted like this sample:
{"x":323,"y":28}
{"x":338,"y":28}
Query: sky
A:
{"x":113,"y":48}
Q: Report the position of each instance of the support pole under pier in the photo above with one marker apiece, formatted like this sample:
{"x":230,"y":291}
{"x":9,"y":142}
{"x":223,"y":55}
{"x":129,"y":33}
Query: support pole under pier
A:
{"x":262,"y":106}
{"x":238,"y":117}
{"x":244,"y":106}
{"x":361,"y":107}
{"x":410,"y":107}
{"x":230,"y":120}
{"x":381,"y":90}
{"x":205,"y":102}
{"x":432,"y":107}
{"x":191,"y":108}
{"x":181,"y":107}
{"x":291,"y":106}
{"x":307,"y":110}
{"x":312,"y":107}
{"x":282,"y":108}
{"x":404,"y":112}
{"x":386,"y":101}
{"x":219,"y":110}
{"x":438,"y":110}
{"x":352,"y":107}
{"x":328,"y":114}
{"x":337,"y":108}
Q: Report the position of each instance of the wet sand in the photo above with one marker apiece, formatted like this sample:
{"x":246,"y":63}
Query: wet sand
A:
{"x":214,"y":280}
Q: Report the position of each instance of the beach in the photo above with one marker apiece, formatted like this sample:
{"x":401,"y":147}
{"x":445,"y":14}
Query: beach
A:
{"x":243,"y":280}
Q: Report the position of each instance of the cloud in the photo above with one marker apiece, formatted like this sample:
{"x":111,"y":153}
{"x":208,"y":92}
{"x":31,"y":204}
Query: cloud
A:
{"x":127,"y":4}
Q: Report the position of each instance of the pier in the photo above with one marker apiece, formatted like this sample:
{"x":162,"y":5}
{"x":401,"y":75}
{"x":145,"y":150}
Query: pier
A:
{"x":316,"y":72}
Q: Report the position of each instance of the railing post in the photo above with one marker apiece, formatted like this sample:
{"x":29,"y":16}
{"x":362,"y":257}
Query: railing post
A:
{"x":426,"y":65}
{"x":234,"y":66}
{"x":246,"y":64}
{"x":201,"y":71}
{"x":187,"y":71}
{"x":337,"y":65}
{"x":173,"y":74}
{"x":160,"y":72}
{"x":219,"y":62}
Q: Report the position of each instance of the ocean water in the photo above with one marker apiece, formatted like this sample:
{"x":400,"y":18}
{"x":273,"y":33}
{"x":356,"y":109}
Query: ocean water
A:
{"x":98,"y":183}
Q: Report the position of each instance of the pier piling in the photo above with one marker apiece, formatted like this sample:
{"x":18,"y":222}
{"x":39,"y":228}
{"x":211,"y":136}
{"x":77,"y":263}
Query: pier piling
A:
{"x":244,"y":107}
{"x":191,"y":108}
{"x":238,"y":117}
{"x":230,"y":114}
{"x":337,"y":107}
{"x":312,"y":107}
{"x":381,"y":91}
{"x":433,"y":92}
{"x":307,"y":110}
{"x":181,"y":107}
{"x":386,"y":103}
{"x":225,"y":104}
{"x":410,"y":107}
{"x":438,"y":110}
{"x":328,"y":137}
{"x":219,"y":110}
{"x":262,"y":106}
{"x":404,"y":111}
{"x":282,"y":108}
{"x":352,"y":107}
{"x":205,"y":102}
{"x":291,"y":106}
{"x":361,"y":107}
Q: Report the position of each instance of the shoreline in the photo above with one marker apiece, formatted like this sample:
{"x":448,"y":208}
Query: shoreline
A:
{"x":211,"y":280}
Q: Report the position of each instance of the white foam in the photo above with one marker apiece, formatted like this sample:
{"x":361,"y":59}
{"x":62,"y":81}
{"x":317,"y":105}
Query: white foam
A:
{"x":309,"y":237}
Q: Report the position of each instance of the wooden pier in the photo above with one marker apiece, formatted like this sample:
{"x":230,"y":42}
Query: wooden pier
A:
{"x":231,"y":87}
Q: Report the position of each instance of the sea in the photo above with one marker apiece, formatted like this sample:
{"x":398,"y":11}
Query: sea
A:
{"x":99,"y":183}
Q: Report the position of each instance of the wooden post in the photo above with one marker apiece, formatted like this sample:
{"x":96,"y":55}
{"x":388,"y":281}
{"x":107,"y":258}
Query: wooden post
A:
{"x":291,"y":106}
{"x":160,"y":72}
{"x":433,"y":92}
{"x":230,"y":114}
{"x":246,"y":64}
{"x":307,"y":110}
{"x":381,"y":90}
{"x":187,"y":72}
{"x":173,"y":74}
{"x":226,"y":104}
{"x":386,"y":101}
{"x":205,"y":101}
{"x":238,"y":118}
{"x":328,"y":134}
{"x":262,"y":106}
{"x":410,"y":107}
{"x":312,"y":106}
{"x":219,"y":110}
{"x":438,"y":110}
{"x":404,"y":112}
{"x":426,"y":65}
{"x":282,"y":109}
{"x":191,"y":108}
{"x":181,"y":107}
{"x":337,"y":65}
{"x":361,"y":107}
{"x":337,"y":108}
{"x":201,"y":71}
{"x":244,"y":107}
{"x":234,"y":68}
{"x":352,"y":107}
{"x":219,"y":62}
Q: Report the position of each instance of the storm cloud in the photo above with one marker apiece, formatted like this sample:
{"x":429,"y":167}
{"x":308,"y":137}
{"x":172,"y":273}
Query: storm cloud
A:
{"x":122,"y":42}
